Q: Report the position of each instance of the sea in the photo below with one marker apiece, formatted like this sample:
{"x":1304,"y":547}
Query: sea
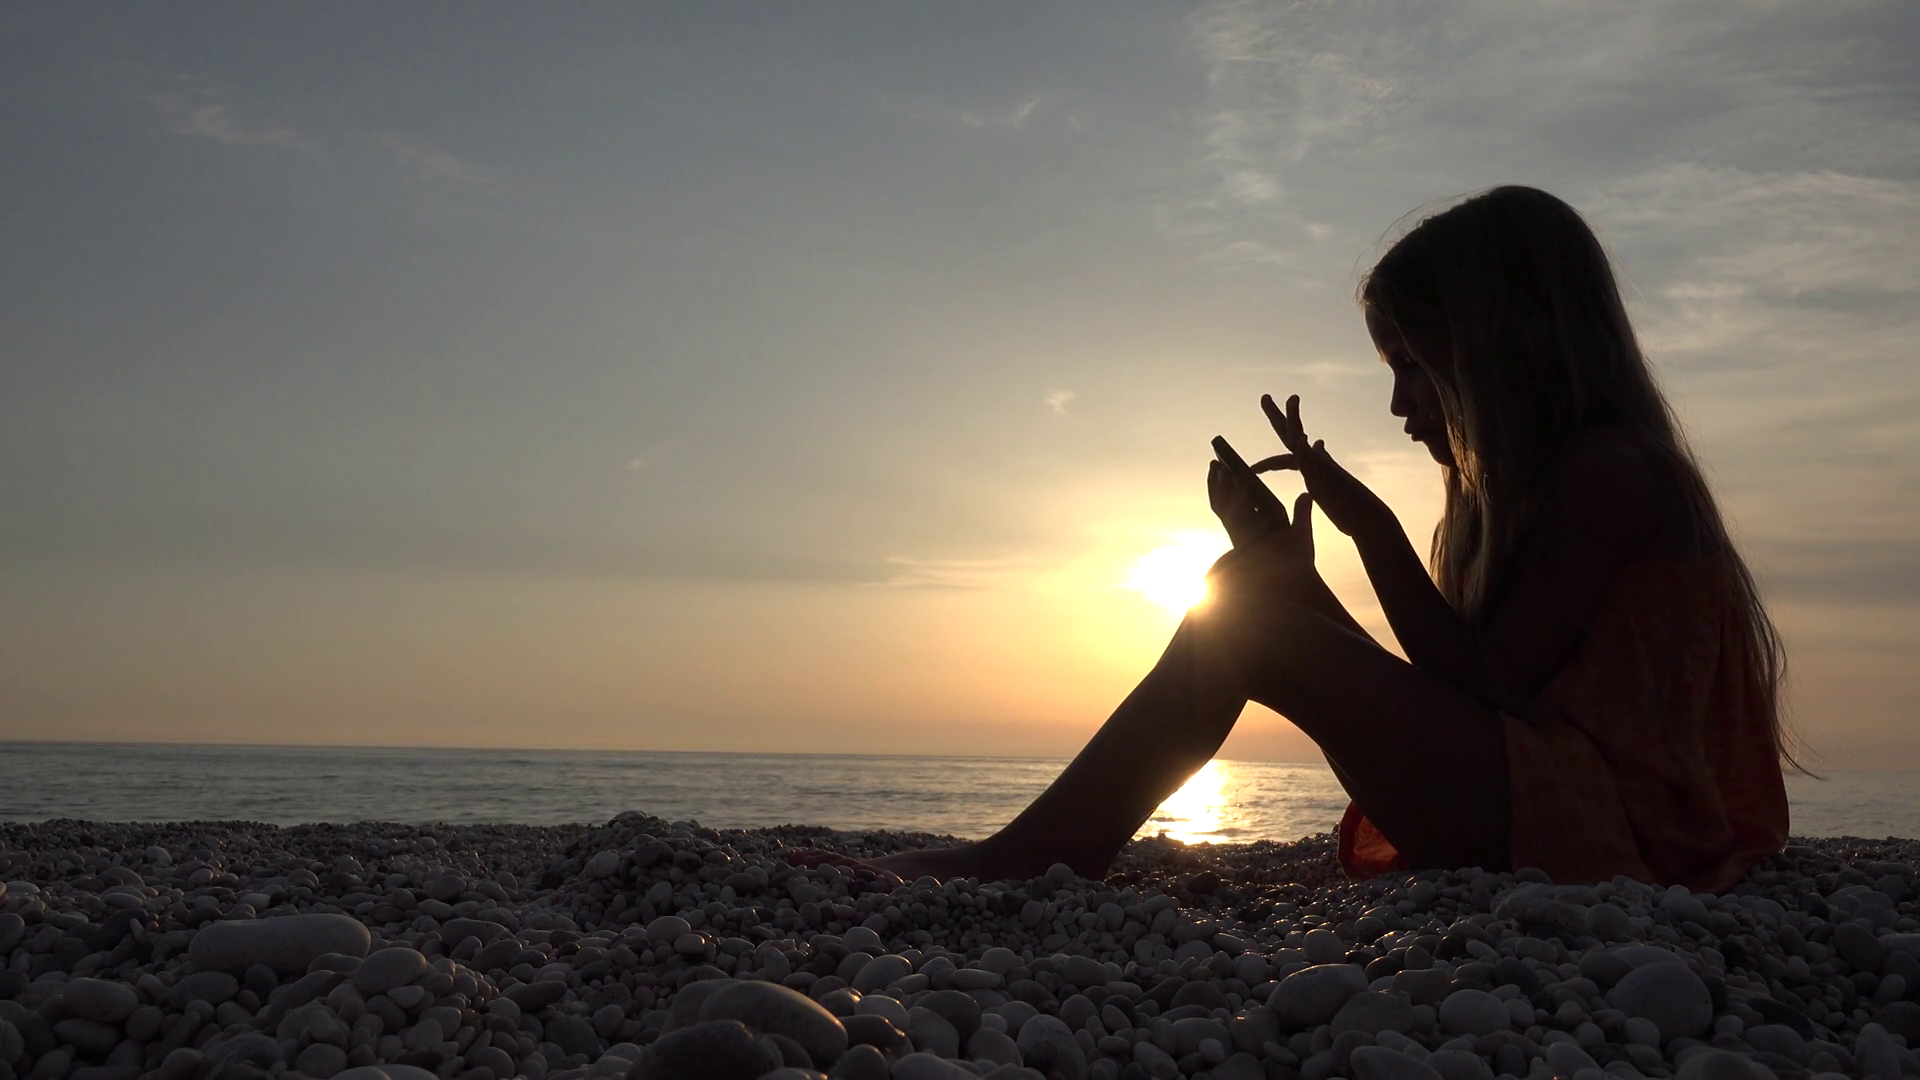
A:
{"x":1226,"y":802}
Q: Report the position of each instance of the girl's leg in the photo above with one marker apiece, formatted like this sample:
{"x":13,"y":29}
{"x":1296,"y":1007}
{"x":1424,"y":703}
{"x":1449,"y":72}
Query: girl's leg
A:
{"x":1165,"y":730}
{"x":1426,"y":761}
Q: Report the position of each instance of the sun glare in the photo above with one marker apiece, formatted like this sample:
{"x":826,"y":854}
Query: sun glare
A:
{"x":1175,"y":576}
{"x":1197,"y":812}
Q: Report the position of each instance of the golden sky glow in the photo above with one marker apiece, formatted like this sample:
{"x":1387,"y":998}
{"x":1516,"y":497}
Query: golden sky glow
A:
{"x":842,"y":380}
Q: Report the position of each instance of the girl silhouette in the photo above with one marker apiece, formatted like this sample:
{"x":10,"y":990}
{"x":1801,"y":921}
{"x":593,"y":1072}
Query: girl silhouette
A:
{"x":1591,"y":687}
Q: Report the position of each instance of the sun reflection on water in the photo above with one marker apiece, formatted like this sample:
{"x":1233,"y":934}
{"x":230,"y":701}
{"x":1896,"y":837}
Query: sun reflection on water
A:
{"x":1199,"y":812}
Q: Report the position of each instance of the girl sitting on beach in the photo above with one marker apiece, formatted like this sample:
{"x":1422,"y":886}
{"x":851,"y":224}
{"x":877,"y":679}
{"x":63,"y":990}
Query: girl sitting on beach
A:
{"x":1591,"y":684}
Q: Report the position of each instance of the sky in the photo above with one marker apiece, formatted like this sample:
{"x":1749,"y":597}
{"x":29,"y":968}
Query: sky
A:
{"x":809,"y":377}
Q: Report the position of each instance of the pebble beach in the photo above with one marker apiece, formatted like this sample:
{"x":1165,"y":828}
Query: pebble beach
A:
{"x":660,"y":949}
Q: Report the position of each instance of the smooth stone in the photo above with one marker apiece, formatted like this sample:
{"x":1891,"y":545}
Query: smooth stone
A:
{"x":1901,"y":1018}
{"x":1049,"y":1046}
{"x":91,"y":1037}
{"x":1716,"y":1065}
{"x":1190,"y":1031}
{"x":1374,"y":1011}
{"x":881,"y":972}
{"x":1567,"y":1058}
{"x":771,"y":1007}
{"x":860,"y":1063}
{"x":667,"y":929}
{"x":1325,"y":947}
{"x":97,"y":999}
{"x":1858,"y":946}
{"x":287,"y":943}
{"x":975,"y":979}
{"x":791,"y":1072}
{"x":1778,"y":1039}
{"x":1459,"y":1065}
{"x":1311,"y":996}
{"x":212,"y":987}
{"x":1473,"y":1012}
{"x":713,"y":1050}
{"x":320,"y":1059}
{"x":1252,"y":1029}
{"x":454,"y":932}
{"x":931,"y":1032}
{"x":1609,"y":923}
{"x":956,"y":1008}
{"x":876,"y":1005}
{"x":999,"y":960}
{"x":1202,"y":992}
{"x":1670,"y":995}
{"x":866,"y":940}
{"x":1427,"y":986}
{"x":389,"y":969}
{"x":534,"y":996}
{"x":921,"y":1065}
{"x":1379,"y":1063}
{"x":1084,"y":972}
{"x":995,"y":1046}
{"x":1156,"y":1061}
{"x":1874,"y":1054}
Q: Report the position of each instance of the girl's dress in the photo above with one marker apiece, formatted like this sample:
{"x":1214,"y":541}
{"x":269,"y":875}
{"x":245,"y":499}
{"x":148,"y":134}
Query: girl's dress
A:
{"x":1648,"y":755}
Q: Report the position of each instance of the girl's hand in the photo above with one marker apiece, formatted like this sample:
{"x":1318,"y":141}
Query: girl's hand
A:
{"x":1270,"y":553}
{"x":1350,"y":505}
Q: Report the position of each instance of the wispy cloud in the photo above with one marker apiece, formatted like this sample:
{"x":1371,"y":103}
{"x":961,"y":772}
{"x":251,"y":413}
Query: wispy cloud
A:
{"x":1058,"y":401}
{"x":430,"y":164}
{"x":1013,"y":119}
{"x":211,"y":115}
{"x":215,"y":115}
{"x":908,"y":572}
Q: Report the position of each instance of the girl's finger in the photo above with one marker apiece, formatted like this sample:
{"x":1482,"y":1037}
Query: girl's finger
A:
{"x":1278,"y":419}
{"x":1276,"y":463}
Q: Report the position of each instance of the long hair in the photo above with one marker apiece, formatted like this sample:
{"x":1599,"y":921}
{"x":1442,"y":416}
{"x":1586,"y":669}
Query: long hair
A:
{"x":1542,"y":351}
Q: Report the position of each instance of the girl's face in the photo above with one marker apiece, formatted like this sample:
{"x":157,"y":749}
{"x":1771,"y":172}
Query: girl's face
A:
{"x":1415,"y":398}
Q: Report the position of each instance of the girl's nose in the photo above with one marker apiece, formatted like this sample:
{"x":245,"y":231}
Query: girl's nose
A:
{"x":1401,"y":403}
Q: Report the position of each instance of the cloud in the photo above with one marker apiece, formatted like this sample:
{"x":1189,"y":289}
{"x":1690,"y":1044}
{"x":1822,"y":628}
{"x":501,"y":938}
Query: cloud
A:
{"x":1015,"y":119}
{"x":429,"y":164}
{"x":213,"y":114}
{"x":1059,"y":400}
{"x":909,"y":572}
{"x":210,"y":115}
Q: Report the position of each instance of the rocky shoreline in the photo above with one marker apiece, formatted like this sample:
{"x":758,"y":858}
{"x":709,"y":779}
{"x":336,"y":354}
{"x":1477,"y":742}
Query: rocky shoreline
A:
{"x":648,"y":948}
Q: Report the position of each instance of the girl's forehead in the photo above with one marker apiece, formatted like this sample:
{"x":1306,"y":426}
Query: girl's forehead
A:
{"x":1386,"y":336}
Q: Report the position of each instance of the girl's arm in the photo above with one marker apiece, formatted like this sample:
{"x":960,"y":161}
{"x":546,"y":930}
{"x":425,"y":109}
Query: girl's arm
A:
{"x":1605,"y":512}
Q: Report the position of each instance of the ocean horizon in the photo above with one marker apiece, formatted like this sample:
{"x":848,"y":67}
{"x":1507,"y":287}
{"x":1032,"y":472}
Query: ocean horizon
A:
{"x":1227,"y":802}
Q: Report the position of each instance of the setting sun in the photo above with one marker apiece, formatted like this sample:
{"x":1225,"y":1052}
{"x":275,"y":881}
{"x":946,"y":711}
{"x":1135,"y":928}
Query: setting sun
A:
{"x":1175,"y":576}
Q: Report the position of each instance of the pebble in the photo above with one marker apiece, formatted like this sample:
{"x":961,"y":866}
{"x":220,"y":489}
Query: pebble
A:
{"x":286,"y":944}
{"x":768,"y":1007}
{"x":1473,"y":1012}
{"x":715,"y":1050}
{"x":389,"y":969}
{"x":582,"y":953}
{"x":97,"y":999}
{"x":1311,"y":996}
{"x":1048,"y":1045}
{"x":1670,"y":995}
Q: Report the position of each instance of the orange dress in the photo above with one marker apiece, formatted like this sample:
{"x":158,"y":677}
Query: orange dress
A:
{"x":1648,"y":755}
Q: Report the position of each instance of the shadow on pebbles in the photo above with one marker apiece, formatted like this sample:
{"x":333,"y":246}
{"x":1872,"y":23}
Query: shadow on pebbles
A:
{"x":658,"y":949}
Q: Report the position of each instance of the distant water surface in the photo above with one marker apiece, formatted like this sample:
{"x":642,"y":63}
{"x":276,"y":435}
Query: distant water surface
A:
{"x":1227,"y":802}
